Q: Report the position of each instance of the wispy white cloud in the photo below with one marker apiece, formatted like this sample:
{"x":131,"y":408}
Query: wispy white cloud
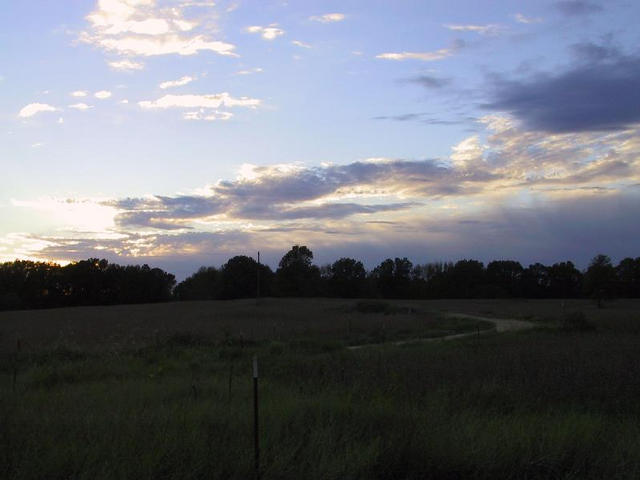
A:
{"x":328,"y":17}
{"x":250,"y":71}
{"x":490,"y":29}
{"x":80,"y":106}
{"x":126,"y":65}
{"x":424,"y":56}
{"x":166,"y":45}
{"x":200,"y":101}
{"x":207,"y":115}
{"x":298,"y":43}
{"x":270,"y":32}
{"x":520,"y":18}
{"x":35,"y":108}
{"x":176,"y":83}
{"x":79,"y":93}
{"x":102,"y":94}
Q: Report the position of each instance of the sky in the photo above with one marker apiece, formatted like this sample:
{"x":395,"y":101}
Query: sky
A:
{"x":180,"y":133}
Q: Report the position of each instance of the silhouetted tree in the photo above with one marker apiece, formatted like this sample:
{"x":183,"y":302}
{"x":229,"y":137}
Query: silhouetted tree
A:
{"x":504,"y":277}
{"x":26,"y":284}
{"x":599,"y":280}
{"x":565,"y":280}
{"x":535,"y":281}
{"x":202,"y":285}
{"x":392,"y":278}
{"x":346,"y":278}
{"x":628,"y":276}
{"x":239,"y":278}
{"x":467,"y":278}
{"x":296,"y":276}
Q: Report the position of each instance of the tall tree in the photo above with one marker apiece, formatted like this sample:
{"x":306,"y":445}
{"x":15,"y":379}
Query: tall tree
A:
{"x":239,"y":278}
{"x":599,"y":280}
{"x":346,"y":278}
{"x":505,"y":276}
{"x":296,"y":276}
{"x":628,"y":276}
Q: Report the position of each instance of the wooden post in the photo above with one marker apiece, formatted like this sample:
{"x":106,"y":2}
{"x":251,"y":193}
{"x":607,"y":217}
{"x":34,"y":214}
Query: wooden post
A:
{"x":256,"y":441}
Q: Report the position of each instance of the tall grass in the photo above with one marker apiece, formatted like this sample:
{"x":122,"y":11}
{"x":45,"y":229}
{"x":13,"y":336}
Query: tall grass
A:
{"x":542,"y":404}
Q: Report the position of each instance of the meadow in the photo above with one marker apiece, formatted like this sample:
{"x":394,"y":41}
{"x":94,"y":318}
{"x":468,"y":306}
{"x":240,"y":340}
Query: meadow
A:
{"x":164,"y":390}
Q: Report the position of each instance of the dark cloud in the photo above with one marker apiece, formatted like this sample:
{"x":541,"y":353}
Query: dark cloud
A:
{"x":420,"y":117}
{"x":590,"y":52}
{"x":600,"y":94}
{"x":546,"y":230}
{"x":402,"y":117}
{"x":574,"y":8}
{"x":276,"y":193}
{"x":431,"y":82}
{"x":165,"y":213}
{"x":342,"y":210}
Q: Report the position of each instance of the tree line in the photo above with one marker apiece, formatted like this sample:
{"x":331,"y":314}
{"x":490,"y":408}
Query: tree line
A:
{"x":297,"y":276}
{"x":27,"y":284}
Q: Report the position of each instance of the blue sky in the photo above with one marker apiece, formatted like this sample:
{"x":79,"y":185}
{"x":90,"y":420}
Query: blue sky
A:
{"x":180,"y":133}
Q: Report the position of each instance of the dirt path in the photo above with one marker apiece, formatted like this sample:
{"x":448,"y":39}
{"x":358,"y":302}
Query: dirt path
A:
{"x":501,"y":325}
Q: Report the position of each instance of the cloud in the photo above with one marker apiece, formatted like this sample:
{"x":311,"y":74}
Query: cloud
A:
{"x":80,"y":106}
{"x":328,"y":17}
{"x":250,"y":71}
{"x":520,"y":18}
{"x":577,"y":7}
{"x":143,"y":28}
{"x":126,"y":65}
{"x":176,"y":83}
{"x":167,"y":45}
{"x":504,"y":192}
{"x":511,"y":163}
{"x":424,"y":56}
{"x":600,"y":93}
{"x":268,"y":33}
{"x":207,"y":115}
{"x":300,"y":44}
{"x":102,"y":94}
{"x":200,"y":101}
{"x":420,"y":117}
{"x":79,"y":93}
{"x":490,"y":29}
{"x":35,"y":108}
{"x":550,"y":231}
{"x":429,"y":81}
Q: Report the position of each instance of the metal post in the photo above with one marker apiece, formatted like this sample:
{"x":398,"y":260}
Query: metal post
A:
{"x":256,"y":442}
{"x":258,"y":280}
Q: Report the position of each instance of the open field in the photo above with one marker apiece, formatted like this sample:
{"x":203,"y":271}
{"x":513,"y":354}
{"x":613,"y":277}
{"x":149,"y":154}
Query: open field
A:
{"x":163,"y":391}
{"x":132,"y":326}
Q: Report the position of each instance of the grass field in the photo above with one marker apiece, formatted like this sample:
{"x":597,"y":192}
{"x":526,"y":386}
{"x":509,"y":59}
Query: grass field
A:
{"x":164,"y":391}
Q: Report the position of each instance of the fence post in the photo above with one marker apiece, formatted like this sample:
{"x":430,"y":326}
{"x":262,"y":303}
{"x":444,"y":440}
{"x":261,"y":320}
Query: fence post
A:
{"x":256,"y":441}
